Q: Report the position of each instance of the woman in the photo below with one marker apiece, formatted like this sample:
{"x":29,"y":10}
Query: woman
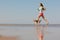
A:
{"x":41,"y":10}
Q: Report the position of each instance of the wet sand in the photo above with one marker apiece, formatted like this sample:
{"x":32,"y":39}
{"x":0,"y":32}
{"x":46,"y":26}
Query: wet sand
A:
{"x":7,"y":38}
{"x":28,"y":33}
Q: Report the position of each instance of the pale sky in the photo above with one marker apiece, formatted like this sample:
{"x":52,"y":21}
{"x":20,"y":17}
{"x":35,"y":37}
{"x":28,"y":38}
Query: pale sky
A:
{"x":24,"y":11}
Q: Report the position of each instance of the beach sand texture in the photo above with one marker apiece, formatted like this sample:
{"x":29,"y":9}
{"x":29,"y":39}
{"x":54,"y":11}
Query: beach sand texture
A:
{"x":7,"y":38}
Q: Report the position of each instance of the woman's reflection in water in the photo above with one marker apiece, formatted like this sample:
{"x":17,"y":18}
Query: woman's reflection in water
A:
{"x":40,"y":29}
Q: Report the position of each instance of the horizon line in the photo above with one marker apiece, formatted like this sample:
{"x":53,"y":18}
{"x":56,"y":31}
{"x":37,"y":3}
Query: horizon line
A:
{"x":29,"y":25}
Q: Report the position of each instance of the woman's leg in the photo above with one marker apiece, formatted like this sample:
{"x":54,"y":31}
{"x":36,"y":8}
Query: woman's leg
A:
{"x":45,"y":19}
{"x":39,"y":17}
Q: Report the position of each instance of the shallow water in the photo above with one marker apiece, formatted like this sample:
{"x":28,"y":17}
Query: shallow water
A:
{"x":29,"y":32}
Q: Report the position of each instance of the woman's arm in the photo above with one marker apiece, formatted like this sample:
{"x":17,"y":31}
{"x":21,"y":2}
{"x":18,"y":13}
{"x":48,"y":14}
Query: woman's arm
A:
{"x":44,"y":8}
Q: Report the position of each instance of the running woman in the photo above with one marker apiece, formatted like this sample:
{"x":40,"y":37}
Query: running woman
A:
{"x":41,"y":10}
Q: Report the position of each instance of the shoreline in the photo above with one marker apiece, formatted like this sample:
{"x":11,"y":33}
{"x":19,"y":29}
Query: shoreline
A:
{"x":29,"y":25}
